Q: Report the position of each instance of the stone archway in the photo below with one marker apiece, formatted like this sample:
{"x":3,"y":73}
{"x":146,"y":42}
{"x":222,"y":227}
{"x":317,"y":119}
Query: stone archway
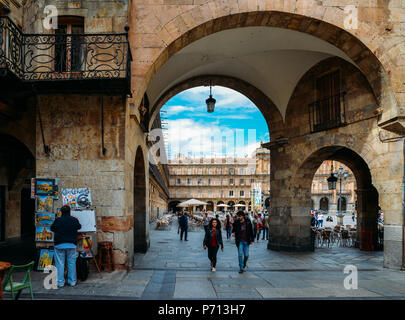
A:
{"x":290,"y":224}
{"x":187,"y":26}
{"x":141,"y":239}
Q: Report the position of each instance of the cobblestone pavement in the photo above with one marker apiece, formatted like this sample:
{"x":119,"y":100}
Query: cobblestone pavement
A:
{"x":181,"y":270}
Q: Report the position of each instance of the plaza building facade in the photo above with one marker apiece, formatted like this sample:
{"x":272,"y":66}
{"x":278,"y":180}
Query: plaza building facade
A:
{"x":219,"y":181}
{"x":80,"y":103}
{"x":328,"y":200}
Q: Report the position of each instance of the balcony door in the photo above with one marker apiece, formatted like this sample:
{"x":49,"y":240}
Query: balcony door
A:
{"x":69,"y":45}
{"x":328,"y":114}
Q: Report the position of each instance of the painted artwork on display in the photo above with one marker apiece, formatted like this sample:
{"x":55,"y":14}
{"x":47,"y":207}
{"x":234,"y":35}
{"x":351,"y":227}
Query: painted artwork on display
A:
{"x":87,"y":219}
{"x":45,"y":259}
{"x":58,"y":212}
{"x":44,"y":219}
{"x":44,"y":186}
{"x":44,"y":234}
{"x":44,"y":204}
{"x":86,"y":248}
{"x":79,"y":198}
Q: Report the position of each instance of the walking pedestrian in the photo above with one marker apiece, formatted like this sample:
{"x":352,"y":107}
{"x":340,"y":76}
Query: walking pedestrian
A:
{"x":316,"y":218}
{"x":266,"y":225}
{"x":228,"y":226}
{"x":206,"y":222}
{"x":254,"y":223}
{"x":243,"y":233}
{"x":178,"y":221}
{"x":353,"y":216}
{"x":212,"y":241}
{"x":65,"y":239}
{"x":259,"y":226}
{"x":184,"y":226}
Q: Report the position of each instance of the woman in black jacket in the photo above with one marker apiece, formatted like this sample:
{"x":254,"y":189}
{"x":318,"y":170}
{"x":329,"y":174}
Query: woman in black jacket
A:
{"x":212,"y":240}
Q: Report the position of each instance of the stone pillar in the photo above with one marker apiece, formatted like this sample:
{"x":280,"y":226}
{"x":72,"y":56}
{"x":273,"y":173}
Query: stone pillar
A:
{"x":367,"y":215}
{"x":290,"y":206}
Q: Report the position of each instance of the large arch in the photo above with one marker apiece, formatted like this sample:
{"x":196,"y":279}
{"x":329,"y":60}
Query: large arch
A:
{"x":327,"y":28}
{"x":269,"y":111}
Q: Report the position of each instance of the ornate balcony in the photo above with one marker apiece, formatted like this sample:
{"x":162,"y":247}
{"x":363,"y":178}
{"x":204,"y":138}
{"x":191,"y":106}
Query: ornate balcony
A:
{"x":65,"y":63}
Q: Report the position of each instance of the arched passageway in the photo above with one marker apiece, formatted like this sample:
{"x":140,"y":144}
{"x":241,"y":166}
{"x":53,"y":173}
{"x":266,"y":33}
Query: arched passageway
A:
{"x":172,"y":207}
{"x":324,"y":204}
{"x":141,"y":240}
{"x":17,"y":209}
{"x":367,"y":201}
{"x":242,"y":54}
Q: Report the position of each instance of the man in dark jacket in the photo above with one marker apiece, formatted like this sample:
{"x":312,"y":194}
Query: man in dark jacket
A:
{"x":243,"y":233}
{"x":65,"y":229}
{"x":184,"y":226}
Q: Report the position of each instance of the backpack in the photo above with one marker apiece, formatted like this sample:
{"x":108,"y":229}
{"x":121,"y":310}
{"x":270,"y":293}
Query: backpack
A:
{"x":82,"y":268}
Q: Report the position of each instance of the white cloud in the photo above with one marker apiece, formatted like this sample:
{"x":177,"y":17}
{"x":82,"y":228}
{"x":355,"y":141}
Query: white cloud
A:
{"x":197,"y":139}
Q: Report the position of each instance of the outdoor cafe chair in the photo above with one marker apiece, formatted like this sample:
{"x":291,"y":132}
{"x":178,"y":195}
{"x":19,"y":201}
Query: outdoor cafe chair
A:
{"x":13,"y":287}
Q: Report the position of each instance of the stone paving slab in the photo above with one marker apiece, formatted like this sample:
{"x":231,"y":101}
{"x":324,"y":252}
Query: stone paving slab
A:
{"x":174,"y":269}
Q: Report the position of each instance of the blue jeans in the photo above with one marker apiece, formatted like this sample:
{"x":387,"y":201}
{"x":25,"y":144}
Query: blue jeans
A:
{"x":228,"y":233}
{"x":320,"y":223}
{"x":183,"y":231}
{"x":243,"y":251}
{"x":71,"y":255}
{"x":266,"y":233}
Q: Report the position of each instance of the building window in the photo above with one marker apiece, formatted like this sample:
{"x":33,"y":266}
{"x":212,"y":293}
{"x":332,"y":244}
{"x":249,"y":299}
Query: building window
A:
{"x":241,"y":171}
{"x":231,"y":170}
{"x":326,"y":112}
{"x":69,"y":53}
{"x":178,"y":181}
{"x":242,"y":193}
{"x":199,"y":182}
{"x":209,"y":182}
{"x":189,"y":171}
{"x":242,"y":182}
{"x":210,"y":170}
{"x":231,"y":193}
{"x":199,"y":171}
{"x":252,"y":180}
{"x":189,"y":181}
{"x":231,"y":182}
{"x":252,"y":171}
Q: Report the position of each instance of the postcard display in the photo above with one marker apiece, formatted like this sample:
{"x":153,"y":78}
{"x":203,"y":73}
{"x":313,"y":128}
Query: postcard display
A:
{"x":45,"y":191}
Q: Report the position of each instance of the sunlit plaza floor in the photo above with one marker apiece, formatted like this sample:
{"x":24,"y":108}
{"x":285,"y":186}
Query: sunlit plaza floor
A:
{"x":174,"y":269}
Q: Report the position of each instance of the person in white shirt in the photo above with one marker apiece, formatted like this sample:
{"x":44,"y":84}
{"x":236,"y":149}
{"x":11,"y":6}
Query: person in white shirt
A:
{"x":320,"y":219}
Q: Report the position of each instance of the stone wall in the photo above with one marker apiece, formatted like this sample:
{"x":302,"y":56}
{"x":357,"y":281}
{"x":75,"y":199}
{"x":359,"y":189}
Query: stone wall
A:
{"x":100,"y":16}
{"x":72,"y":130}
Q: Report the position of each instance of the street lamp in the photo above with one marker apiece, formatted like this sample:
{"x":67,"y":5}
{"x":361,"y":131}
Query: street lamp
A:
{"x":342,"y":176}
{"x":210,"y":102}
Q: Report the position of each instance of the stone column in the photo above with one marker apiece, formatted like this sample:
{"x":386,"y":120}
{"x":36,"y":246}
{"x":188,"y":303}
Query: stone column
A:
{"x":367,"y":215}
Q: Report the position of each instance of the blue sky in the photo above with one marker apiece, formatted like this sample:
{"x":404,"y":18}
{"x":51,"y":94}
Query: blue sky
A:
{"x":235,"y":128}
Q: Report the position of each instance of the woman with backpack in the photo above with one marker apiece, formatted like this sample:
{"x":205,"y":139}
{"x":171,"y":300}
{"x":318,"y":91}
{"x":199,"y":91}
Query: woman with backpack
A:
{"x":212,"y":241}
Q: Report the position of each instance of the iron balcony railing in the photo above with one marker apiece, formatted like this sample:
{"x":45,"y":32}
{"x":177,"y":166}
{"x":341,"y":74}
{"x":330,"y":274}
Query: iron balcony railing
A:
{"x":41,"y":57}
{"x":327,"y":113}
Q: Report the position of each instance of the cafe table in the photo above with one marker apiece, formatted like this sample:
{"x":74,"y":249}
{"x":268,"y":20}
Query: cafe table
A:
{"x":3,"y":268}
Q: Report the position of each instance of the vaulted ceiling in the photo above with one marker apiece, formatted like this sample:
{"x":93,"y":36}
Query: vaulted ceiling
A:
{"x":271,"y":59}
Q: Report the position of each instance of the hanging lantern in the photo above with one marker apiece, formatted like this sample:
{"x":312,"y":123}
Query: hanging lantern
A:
{"x":332,"y":180}
{"x":210,"y":102}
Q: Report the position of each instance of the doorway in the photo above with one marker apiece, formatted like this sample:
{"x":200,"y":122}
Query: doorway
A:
{"x":27,"y":214}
